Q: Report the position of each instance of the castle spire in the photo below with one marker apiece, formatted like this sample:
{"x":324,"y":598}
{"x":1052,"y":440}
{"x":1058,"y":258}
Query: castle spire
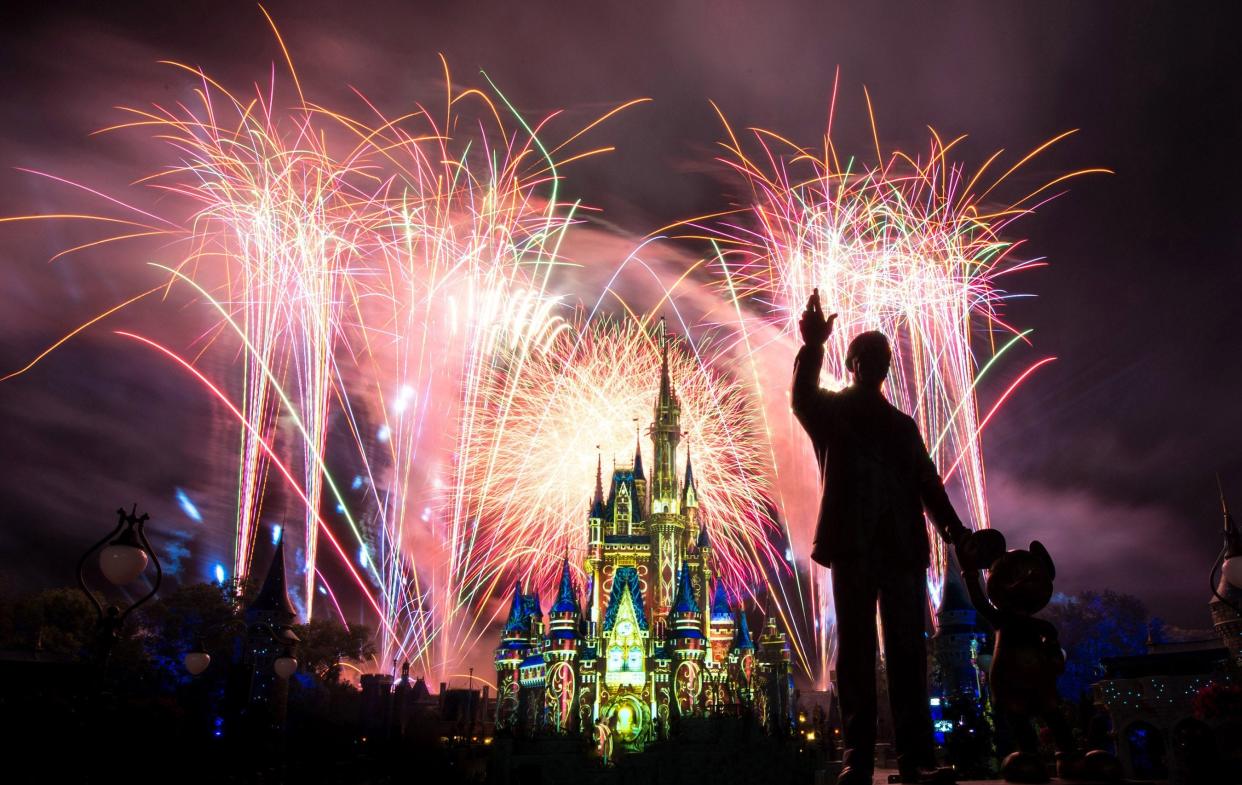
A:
{"x":597,"y":502}
{"x":666,"y":383}
{"x":720,"y":605}
{"x":516,"y":621}
{"x":666,"y":435}
{"x":566,"y":598}
{"x":689,"y":492}
{"x":638,"y":454}
{"x":685,"y":602}
{"x":743,"y":641}
{"x":599,"y":477}
{"x":273,"y":596}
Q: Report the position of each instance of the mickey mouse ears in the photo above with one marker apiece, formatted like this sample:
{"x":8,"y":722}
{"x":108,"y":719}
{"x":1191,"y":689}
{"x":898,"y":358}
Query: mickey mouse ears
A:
{"x":1041,"y":553}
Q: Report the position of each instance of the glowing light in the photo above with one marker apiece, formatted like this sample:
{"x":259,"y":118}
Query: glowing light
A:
{"x":625,"y":720}
{"x":219,"y":573}
{"x":275,"y":533}
{"x":188,"y":507}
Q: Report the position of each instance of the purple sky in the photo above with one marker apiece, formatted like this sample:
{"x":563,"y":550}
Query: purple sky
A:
{"x":1107,"y":455}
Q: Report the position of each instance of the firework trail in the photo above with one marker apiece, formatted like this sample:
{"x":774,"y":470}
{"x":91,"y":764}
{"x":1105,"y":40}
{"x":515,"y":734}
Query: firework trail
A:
{"x":467,"y":238}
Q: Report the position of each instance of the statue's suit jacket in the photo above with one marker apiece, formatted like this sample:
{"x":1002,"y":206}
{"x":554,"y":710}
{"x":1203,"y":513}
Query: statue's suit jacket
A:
{"x":877,"y":476}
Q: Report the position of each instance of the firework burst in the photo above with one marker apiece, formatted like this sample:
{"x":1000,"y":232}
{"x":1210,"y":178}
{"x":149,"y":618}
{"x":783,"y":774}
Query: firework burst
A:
{"x":546,"y":419}
{"x":906,"y":247}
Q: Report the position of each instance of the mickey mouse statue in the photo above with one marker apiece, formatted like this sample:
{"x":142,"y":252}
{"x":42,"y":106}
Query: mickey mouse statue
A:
{"x":1027,"y":658}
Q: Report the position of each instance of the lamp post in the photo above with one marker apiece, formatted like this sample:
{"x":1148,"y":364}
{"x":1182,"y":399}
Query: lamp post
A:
{"x":123,"y":556}
{"x":197,"y":660}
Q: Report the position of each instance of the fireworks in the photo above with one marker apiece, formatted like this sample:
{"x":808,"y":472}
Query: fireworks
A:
{"x":380,"y":267}
{"x":393,"y":291}
{"x":548,"y":418}
{"x":906,"y":247}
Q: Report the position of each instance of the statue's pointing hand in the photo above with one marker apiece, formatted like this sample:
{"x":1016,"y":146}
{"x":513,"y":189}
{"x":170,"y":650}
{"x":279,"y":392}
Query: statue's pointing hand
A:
{"x":814,"y":327}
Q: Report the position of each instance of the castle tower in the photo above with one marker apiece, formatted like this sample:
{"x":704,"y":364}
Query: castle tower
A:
{"x":721,"y":625}
{"x":688,"y":647}
{"x":958,"y":639}
{"x":269,"y":636}
{"x":640,"y":478}
{"x":666,"y":435}
{"x":742,"y":661}
{"x":690,"y":502}
{"x":561,"y":656}
{"x":666,"y":526}
{"x":775,"y":680}
{"x":1227,"y":598}
{"x":595,"y":542}
{"x":514,"y":642}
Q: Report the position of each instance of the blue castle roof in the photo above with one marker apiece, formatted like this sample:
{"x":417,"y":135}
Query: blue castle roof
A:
{"x":627,"y":478}
{"x":517,"y":621}
{"x":685,"y":602}
{"x":530,"y":606}
{"x":625,"y":580}
{"x":742,"y":640}
{"x":638,"y":458}
{"x":720,"y":605}
{"x":566,"y":598}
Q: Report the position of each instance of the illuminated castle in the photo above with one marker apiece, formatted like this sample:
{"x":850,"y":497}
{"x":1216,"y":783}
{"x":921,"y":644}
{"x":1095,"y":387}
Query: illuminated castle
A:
{"x":644,"y":647}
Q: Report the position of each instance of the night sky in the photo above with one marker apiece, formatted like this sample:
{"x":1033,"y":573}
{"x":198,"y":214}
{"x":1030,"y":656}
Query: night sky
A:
{"x":1107,"y":455}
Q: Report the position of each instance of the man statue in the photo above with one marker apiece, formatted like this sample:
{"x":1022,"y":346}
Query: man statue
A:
{"x":877,"y":480}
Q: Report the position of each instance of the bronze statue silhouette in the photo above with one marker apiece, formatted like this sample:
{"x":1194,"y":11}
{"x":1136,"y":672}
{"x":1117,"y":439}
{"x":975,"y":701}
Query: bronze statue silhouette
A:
{"x":878,"y":480}
{"x":1027,"y":658}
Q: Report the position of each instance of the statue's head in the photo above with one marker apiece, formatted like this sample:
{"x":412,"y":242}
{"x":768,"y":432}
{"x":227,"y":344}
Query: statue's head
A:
{"x":1021,"y":581}
{"x":868,"y":358}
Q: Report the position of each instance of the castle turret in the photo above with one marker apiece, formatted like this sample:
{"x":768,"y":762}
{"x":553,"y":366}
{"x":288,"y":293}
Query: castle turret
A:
{"x":513,"y":644}
{"x":269,"y":637}
{"x":595,"y":517}
{"x":775,"y":679}
{"x":666,"y":434}
{"x":721,"y":625}
{"x":595,"y":541}
{"x":706,"y":573}
{"x":742,"y":661}
{"x":640,"y":477}
{"x":688,"y":646}
{"x":665,"y":525}
{"x":690,"y":502}
{"x":561,"y":655}
{"x":958,"y":638}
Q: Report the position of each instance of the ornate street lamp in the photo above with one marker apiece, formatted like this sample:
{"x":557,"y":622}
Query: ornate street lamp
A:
{"x":123,"y":557}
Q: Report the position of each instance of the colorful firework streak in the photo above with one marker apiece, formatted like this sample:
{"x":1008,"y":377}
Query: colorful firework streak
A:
{"x":909,"y":246}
